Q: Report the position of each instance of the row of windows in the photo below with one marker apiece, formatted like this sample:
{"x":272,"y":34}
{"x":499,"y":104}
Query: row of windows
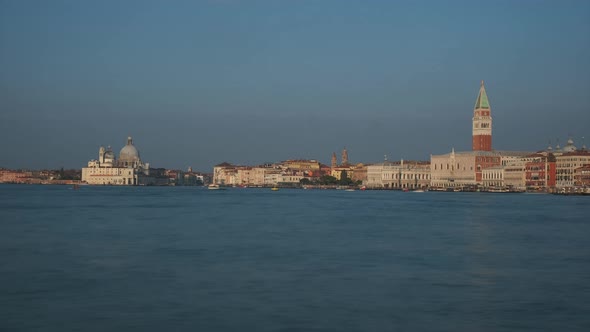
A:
{"x":387,"y":176}
{"x":452,"y":167}
{"x":573,"y":159}
{"x":105,"y":172}
{"x":570,"y":165}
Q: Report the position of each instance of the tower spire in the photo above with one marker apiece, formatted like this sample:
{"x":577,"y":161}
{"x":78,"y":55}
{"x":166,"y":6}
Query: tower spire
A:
{"x":482,"y":101}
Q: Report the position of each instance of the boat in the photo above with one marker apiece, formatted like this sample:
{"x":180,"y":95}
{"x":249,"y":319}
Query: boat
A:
{"x":503,"y":190}
{"x":418,"y":191}
{"x":274,"y":188}
{"x":349,"y":189}
{"x":213,"y":186}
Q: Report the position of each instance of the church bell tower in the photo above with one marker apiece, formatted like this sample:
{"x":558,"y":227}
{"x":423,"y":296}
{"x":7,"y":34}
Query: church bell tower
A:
{"x":482,"y":122}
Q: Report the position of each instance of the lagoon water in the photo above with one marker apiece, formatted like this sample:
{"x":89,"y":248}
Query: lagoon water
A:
{"x":189,"y":259}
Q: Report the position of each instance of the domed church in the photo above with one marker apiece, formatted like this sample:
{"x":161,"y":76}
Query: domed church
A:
{"x":127,"y":170}
{"x":129,"y":156}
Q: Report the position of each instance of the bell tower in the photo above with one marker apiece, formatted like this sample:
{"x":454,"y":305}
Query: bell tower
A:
{"x":482,"y":122}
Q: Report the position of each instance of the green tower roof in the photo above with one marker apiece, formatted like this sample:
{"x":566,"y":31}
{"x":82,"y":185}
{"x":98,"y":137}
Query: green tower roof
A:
{"x":482,"y":98}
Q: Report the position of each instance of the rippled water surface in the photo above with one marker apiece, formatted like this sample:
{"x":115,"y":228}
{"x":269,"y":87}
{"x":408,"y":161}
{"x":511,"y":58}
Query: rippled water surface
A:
{"x":189,"y":259}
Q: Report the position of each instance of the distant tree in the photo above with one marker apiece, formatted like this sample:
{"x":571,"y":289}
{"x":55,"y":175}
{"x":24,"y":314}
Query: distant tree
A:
{"x":304,"y":181}
{"x":328,"y":180}
{"x":345,"y":181}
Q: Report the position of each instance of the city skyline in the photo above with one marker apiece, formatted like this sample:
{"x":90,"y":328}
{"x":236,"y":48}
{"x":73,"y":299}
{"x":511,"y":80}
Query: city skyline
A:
{"x":197,"y":84}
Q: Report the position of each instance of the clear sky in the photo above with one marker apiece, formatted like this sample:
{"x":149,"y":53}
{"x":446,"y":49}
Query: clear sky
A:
{"x":200,"y":82}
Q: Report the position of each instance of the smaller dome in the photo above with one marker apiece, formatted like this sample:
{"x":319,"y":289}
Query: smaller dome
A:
{"x":570,"y":147}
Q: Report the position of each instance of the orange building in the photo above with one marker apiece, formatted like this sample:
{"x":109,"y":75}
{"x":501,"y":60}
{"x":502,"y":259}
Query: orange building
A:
{"x":540,"y":172}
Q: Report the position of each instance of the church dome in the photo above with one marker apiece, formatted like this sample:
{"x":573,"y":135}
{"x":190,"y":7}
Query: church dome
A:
{"x":129,"y":153}
{"x":570,"y":147}
{"x":109,"y":154}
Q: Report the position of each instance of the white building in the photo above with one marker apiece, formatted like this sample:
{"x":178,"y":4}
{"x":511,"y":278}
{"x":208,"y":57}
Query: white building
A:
{"x":566,"y":165}
{"x":398,"y":175}
{"x":128,"y":170}
{"x":510,"y":176}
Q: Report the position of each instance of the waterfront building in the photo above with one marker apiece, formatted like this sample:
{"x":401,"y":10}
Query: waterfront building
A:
{"x":582,"y":176}
{"x":493,"y":177}
{"x":291,"y":179}
{"x":244,"y":176}
{"x":288,"y":173}
{"x":458,"y":169}
{"x":407,"y":175}
{"x":505,"y":176}
{"x":309,"y":167}
{"x":398,"y":175}
{"x":514,"y":175}
{"x":10,"y":176}
{"x":360,"y":173}
{"x":566,"y":165}
{"x":258,"y":175}
{"x":129,"y":169}
{"x":377,"y":175}
{"x":540,"y":171}
{"x":224,"y":174}
{"x":340,"y":172}
{"x":272,"y":177}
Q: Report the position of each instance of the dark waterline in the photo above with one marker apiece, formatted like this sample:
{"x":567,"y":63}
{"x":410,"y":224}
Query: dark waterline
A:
{"x":188,"y":259}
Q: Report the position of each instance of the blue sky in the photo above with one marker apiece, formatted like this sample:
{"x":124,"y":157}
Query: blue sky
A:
{"x":201,"y":82}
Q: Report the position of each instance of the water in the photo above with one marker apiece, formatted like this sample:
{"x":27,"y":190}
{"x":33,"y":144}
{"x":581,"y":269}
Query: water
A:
{"x":188,"y":259}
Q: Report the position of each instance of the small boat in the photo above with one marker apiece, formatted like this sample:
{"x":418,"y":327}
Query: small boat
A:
{"x":274,"y":188}
{"x":213,"y":186}
{"x":349,"y":189}
{"x":418,"y":191}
